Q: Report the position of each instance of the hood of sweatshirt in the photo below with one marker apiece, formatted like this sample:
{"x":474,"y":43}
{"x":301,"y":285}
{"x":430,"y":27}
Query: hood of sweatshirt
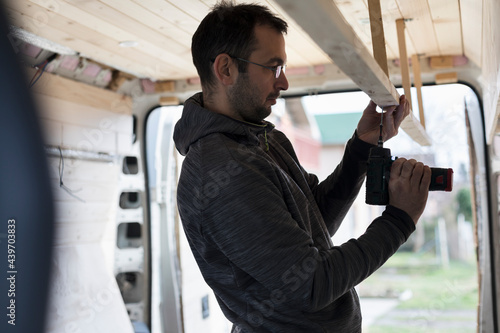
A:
{"x":197,"y":122}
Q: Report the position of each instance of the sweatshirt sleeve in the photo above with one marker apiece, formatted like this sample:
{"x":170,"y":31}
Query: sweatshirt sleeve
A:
{"x":338,"y":191}
{"x":262,"y":239}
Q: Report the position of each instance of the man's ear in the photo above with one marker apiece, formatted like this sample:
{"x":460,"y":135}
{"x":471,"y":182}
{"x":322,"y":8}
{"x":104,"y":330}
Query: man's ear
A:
{"x":225,"y":69}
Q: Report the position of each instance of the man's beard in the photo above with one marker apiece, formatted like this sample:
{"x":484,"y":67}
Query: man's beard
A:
{"x":244,"y":100}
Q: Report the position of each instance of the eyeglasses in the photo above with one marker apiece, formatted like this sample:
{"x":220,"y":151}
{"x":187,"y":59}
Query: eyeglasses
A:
{"x":276,"y":69}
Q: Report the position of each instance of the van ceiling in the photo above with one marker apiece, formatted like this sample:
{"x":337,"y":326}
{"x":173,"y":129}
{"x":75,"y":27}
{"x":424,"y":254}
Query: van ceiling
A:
{"x":151,"y":38}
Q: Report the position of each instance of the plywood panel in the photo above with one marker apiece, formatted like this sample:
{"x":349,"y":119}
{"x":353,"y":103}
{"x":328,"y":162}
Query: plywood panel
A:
{"x":83,"y":115}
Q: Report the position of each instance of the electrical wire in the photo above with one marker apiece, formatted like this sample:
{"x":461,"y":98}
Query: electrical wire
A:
{"x":41,"y":69}
{"x":61,"y":173}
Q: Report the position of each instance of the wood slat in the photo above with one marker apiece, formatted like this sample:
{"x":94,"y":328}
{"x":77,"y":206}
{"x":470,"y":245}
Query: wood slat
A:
{"x":377,"y":32}
{"x":403,"y":58}
{"x":322,"y":20}
{"x":417,"y":79}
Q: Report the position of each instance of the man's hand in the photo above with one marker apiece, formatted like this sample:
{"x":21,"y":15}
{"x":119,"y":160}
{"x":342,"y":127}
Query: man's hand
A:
{"x":409,"y":186}
{"x":369,"y":125}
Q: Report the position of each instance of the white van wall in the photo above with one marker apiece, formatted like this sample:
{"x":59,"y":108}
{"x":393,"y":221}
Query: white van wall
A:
{"x":88,"y":130}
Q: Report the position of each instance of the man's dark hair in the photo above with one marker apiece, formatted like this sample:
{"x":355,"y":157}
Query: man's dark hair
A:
{"x":229,"y":28}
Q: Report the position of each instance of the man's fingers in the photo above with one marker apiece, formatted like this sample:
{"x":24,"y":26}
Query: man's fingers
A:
{"x":426,"y":178}
{"x":402,"y":111}
{"x":397,"y":166}
{"x":417,"y":173}
{"x":407,"y":170}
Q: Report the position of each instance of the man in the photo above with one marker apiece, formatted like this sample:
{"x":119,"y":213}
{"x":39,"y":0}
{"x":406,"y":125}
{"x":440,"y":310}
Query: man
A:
{"x":258,"y":224}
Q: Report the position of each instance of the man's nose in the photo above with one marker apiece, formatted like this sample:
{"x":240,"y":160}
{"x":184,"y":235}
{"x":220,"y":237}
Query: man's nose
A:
{"x":282,"y":82}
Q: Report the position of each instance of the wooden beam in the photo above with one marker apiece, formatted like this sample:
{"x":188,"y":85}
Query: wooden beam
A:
{"x":417,"y":80}
{"x":450,"y":77}
{"x":441,"y":62}
{"x":403,"y":59}
{"x":169,"y":101}
{"x":81,"y":93}
{"x":164,"y":86}
{"x":378,"y":37}
{"x":324,"y":23}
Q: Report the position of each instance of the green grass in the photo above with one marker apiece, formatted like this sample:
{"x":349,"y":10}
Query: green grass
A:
{"x":454,"y":287}
{"x":438,"y":294}
{"x":390,"y":329}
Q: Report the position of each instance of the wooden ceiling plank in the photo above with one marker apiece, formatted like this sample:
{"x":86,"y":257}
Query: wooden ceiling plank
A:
{"x":117,"y":18}
{"x":420,"y":28}
{"x":471,"y":15}
{"x":100,"y":26}
{"x":176,"y":16}
{"x":196,"y":8}
{"x":446,"y":17}
{"x":78,"y":33}
{"x":97,"y":47}
{"x":324,"y":23}
{"x":146,"y":17}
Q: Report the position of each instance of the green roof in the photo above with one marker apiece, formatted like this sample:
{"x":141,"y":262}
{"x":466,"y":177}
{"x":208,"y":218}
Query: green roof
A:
{"x":337,"y":128}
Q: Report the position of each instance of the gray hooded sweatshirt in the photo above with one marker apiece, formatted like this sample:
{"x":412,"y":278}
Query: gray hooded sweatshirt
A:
{"x":260,"y":226}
